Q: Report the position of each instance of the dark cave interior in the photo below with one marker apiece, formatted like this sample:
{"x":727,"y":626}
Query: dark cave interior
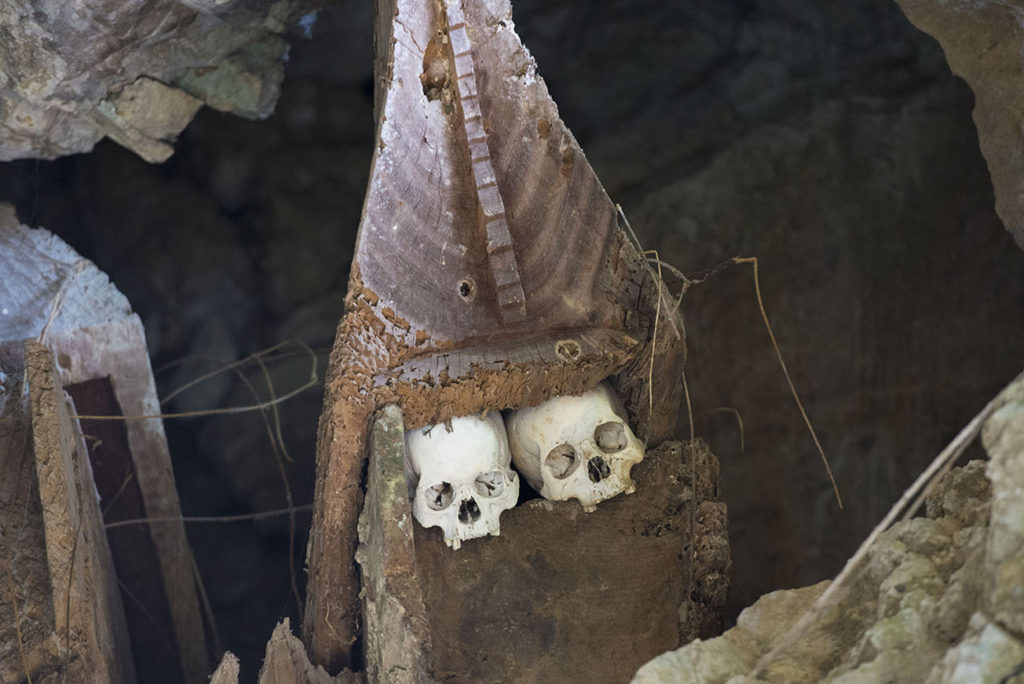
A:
{"x":830,"y":140}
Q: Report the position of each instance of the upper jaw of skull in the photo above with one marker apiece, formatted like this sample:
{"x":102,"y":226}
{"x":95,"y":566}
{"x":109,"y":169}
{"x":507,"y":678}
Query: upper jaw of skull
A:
{"x":576,"y":447}
{"x":461,"y":480}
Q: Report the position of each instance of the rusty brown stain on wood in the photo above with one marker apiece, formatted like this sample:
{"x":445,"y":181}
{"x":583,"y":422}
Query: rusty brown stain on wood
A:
{"x":424,"y":324}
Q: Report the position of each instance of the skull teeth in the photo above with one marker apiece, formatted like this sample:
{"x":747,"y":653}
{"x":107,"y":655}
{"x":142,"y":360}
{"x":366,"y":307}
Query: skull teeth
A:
{"x":460,"y":479}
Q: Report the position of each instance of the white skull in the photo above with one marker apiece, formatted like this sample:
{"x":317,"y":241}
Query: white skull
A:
{"x":460,"y":479}
{"x":575,"y":447}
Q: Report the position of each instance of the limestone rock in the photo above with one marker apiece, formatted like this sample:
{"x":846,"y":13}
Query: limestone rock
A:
{"x":988,"y":653}
{"x":73,"y":73}
{"x":1003,"y":437}
{"x":938,"y":599}
{"x":146,"y":117}
{"x":983,"y":43}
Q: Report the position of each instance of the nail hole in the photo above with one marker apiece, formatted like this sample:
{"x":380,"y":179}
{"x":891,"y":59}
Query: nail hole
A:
{"x":567,"y":350}
{"x":467,"y":289}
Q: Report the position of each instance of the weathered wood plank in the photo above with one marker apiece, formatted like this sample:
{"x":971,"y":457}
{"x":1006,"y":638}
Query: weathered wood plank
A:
{"x":396,"y":643}
{"x":286,"y":662}
{"x":568,"y":596}
{"x":49,"y":293}
{"x":425,"y":325}
{"x":83,"y":600}
{"x":117,"y":350}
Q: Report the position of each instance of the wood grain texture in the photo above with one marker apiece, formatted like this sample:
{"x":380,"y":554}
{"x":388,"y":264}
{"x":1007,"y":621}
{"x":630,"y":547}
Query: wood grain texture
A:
{"x":568,"y":596}
{"x":286,"y":662}
{"x":397,"y":635}
{"x":53,"y":294}
{"x":136,"y":560}
{"x":421,"y":235}
{"x":501,"y":257}
{"x":74,"y":628}
{"x":428,"y":325}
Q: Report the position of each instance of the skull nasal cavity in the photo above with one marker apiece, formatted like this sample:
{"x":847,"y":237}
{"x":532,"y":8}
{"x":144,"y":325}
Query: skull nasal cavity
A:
{"x":561,"y":461}
{"x":469,"y":512}
{"x":610,"y":437}
{"x":597,"y":469}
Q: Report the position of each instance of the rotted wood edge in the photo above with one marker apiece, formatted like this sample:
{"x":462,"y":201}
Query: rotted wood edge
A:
{"x":353,"y":392}
{"x":86,"y":603}
{"x":332,"y":619}
{"x":379,"y":359}
{"x":117,"y":349}
{"x":396,"y":643}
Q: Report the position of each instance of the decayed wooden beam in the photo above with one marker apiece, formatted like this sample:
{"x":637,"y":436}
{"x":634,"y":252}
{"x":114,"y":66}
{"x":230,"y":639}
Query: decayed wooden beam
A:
{"x":561,"y":595}
{"x":568,"y":596}
{"x":433,"y":320}
{"x":61,"y":607}
{"x":158,"y":553}
{"x":397,"y":632}
{"x":52,"y":295}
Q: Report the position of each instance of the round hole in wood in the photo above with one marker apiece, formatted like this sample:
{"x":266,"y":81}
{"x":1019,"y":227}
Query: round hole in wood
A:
{"x":567,"y":350}
{"x":467,"y":289}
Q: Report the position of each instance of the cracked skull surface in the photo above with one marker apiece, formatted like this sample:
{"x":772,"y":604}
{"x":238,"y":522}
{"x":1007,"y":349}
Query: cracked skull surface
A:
{"x":575,"y":447}
{"x":460,"y":478}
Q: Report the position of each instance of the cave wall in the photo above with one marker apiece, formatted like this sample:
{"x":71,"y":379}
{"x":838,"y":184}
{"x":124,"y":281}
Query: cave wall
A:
{"x":829,"y":140}
{"x":832,"y":142}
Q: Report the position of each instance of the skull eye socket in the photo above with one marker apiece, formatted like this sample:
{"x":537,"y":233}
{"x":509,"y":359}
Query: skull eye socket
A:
{"x":439,"y":497}
{"x":561,"y":461}
{"x":610,"y":437}
{"x":490,"y":484}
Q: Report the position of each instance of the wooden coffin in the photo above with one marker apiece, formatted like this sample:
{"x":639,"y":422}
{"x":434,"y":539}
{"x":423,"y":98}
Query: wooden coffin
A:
{"x":490,"y":273}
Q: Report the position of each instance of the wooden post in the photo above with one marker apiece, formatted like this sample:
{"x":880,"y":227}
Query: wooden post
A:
{"x":397,"y":631}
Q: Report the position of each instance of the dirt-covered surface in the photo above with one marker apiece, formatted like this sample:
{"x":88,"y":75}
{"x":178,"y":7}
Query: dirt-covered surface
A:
{"x":828,"y":139}
{"x":636,"y":566}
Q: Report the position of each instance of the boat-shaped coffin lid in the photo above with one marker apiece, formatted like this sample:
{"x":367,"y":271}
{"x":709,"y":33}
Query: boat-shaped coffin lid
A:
{"x":422,"y":246}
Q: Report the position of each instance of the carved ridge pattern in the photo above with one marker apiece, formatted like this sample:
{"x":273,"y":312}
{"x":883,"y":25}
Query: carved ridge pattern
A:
{"x":500,"y":254}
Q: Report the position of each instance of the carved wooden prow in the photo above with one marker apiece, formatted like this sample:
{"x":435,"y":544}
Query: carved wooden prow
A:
{"x":500,"y":252}
{"x":489,"y":273}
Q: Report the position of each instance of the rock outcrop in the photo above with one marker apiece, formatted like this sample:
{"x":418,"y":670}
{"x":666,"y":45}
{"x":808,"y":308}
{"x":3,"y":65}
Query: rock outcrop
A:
{"x":74,"y":73}
{"x":938,"y":598}
{"x":983,"y":42}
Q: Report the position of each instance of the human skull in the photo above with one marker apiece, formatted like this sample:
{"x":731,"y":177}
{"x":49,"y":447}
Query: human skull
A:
{"x":575,"y":447}
{"x":459,"y":477}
